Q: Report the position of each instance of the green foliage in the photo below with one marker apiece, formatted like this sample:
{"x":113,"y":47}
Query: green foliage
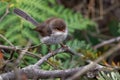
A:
{"x":109,"y":76}
{"x":114,"y":27}
{"x":76,"y":45}
{"x":19,"y":31}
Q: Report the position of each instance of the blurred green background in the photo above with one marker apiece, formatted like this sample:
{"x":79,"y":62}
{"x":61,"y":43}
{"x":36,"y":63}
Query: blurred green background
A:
{"x":85,"y":31}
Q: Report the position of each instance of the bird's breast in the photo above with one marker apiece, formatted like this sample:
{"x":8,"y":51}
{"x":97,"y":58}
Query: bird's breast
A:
{"x":54,"y":39}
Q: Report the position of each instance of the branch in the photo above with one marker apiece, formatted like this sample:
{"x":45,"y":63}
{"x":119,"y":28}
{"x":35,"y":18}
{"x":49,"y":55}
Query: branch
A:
{"x":91,"y":65}
{"x":43,"y":59}
{"x":107,"y":42}
{"x":6,"y":39}
{"x":22,"y":54}
{"x":32,"y":72}
{"x":14,"y":48}
{"x":59,"y":50}
{"x":6,"y":12}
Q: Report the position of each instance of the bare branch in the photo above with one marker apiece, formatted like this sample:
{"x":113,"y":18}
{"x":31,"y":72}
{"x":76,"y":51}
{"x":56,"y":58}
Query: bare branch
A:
{"x":101,"y":8}
{"x":6,"y":39}
{"x":7,"y":11}
{"x":22,"y":53}
{"x":9,"y":43}
{"x":91,"y":65}
{"x":107,"y":42}
{"x":15,"y":48}
{"x":62,"y":49}
{"x":32,"y":71}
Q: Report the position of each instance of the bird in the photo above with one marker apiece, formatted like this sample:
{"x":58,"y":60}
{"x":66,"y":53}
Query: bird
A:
{"x":52,"y":31}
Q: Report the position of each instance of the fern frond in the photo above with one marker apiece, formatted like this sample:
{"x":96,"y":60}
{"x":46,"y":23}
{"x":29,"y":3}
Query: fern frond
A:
{"x":109,"y":76}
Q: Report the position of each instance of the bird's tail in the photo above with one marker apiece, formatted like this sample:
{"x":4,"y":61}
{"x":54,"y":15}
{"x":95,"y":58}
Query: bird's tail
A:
{"x":25,"y":16}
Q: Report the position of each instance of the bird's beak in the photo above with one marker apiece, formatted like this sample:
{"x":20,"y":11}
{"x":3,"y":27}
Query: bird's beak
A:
{"x":63,"y":30}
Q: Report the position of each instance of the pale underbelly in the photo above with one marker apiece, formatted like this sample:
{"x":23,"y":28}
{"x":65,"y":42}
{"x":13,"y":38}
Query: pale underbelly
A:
{"x":53,"y":39}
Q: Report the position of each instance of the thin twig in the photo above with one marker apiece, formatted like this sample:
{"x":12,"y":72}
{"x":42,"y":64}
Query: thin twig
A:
{"x":6,"y":39}
{"x":15,"y":48}
{"x":43,"y":59}
{"x":6,"y":12}
{"x":117,"y":39}
{"x":10,"y":45}
{"x":22,"y":53}
{"x":101,"y":8}
{"x":31,"y":47}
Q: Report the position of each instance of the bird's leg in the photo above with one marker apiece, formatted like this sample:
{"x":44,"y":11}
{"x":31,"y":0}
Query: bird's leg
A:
{"x":62,"y":45}
{"x":66,"y":47}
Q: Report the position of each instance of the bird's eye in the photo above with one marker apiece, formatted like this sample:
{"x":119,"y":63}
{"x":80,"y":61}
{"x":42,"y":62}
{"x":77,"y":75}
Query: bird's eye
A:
{"x":57,"y":29}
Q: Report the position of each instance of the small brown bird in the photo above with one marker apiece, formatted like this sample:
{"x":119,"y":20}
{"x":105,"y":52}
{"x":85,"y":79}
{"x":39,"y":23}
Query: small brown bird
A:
{"x":52,"y":31}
